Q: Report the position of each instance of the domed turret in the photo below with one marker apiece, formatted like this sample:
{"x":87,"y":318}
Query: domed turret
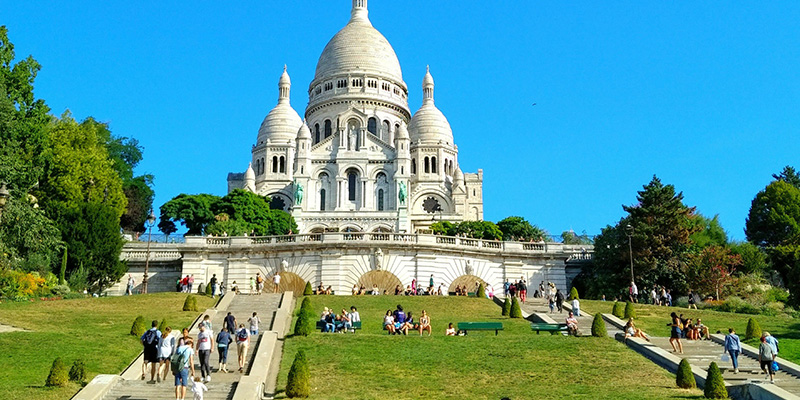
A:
{"x":283,"y":122}
{"x":402,"y":131}
{"x":250,"y":178}
{"x":429,"y":125}
{"x":304,"y":132}
{"x":458,"y":178}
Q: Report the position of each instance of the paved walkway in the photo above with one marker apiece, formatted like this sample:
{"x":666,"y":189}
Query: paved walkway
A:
{"x":222,"y":385}
{"x":540,"y":306}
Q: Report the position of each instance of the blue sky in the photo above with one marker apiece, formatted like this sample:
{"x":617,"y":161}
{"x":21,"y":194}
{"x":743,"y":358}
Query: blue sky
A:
{"x":705,"y":97}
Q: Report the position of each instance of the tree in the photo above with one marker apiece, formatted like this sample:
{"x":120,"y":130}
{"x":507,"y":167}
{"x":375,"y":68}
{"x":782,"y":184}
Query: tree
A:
{"x":754,"y":259}
{"x":486,"y":230}
{"x":139,"y":193}
{"x":308,"y":291}
{"x":481,"y":292}
{"x":788,"y":175}
{"x":193,"y":211}
{"x":517,"y":228}
{"x":506,"y":307}
{"x":711,"y":269}
{"x":31,"y":239}
{"x":570,"y":237}
{"x":444,"y":228}
{"x":774,"y":217}
{"x":599,"y":326}
{"x":685,"y":377}
{"x":516,"y":312}
{"x":715,"y":385}
{"x":709,"y":232}
{"x":299,"y":382}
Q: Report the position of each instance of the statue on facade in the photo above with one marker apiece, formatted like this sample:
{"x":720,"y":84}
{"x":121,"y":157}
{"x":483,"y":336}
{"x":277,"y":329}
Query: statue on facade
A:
{"x":378,"y":259}
{"x":468,"y":269}
{"x":298,"y":193}
{"x":284,"y":265}
{"x":401,"y":195}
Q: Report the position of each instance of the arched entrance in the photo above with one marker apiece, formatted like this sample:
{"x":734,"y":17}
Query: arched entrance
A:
{"x":385,"y":280}
{"x":289,"y":281}
{"x":471,"y":281}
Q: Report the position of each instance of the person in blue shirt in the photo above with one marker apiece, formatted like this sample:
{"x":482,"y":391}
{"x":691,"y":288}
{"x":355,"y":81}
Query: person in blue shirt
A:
{"x":733,"y":346}
{"x":772,"y":342}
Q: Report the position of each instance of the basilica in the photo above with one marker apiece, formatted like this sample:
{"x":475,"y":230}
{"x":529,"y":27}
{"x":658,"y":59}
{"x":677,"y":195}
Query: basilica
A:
{"x":359,"y":160}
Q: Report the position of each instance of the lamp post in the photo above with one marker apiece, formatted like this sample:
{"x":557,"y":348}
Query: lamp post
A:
{"x":151,"y":220}
{"x":629,"y":232}
{"x":4,"y":195}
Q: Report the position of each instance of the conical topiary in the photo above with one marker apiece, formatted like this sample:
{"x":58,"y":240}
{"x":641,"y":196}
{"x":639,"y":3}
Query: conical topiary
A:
{"x":619,"y":310}
{"x":77,"y":373}
{"x":306,"y":319}
{"x":753,"y":329}
{"x":715,"y":385}
{"x":308,"y":291}
{"x":190,"y":304}
{"x":305,"y":306}
{"x":162,"y":325}
{"x":599,"y":326}
{"x":506,"y":307}
{"x":685,"y":378}
{"x":209,"y":290}
{"x":138,"y":327}
{"x":516,"y":312}
{"x":630,"y":311}
{"x":573,"y":293}
{"x":58,"y":374}
{"x":299,"y":382}
{"x":481,"y":292}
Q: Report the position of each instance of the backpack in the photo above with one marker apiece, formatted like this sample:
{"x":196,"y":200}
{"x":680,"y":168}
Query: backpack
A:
{"x":151,"y":338}
{"x":242,"y":335}
{"x":178,"y":361}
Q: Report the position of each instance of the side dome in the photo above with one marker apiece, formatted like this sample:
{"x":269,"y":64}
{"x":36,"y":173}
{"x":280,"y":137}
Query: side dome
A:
{"x":429,"y":125}
{"x":283,"y":122}
{"x":359,"y":47}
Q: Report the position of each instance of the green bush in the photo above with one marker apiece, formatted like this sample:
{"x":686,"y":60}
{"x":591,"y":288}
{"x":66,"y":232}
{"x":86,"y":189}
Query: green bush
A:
{"x":776,"y":294}
{"x":308,"y":291}
{"x":753,"y":329}
{"x":306,"y":319}
{"x":619,"y":310}
{"x":60,"y":290}
{"x":516,"y":312}
{"x":630,"y":311}
{"x":78,"y":371}
{"x":299,"y":382}
{"x":138,"y":327}
{"x":208,"y":290}
{"x":305,"y":306}
{"x":573,"y":293}
{"x":58,"y":374}
{"x":506,"y":307}
{"x":481,"y":292}
{"x":715,"y":385}
{"x":685,"y":378}
{"x":162,"y":325}
{"x":599,"y":326}
{"x":190,"y":304}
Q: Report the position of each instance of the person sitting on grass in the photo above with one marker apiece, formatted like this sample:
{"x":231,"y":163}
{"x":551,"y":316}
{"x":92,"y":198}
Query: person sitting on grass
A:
{"x":572,"y":324}
{"x":388,"y":322}
{"x":702,"y":330}
{"x":329,"y":291}
{"x":399,"y":318}
{"x":450,"y":331}
{"x":354,"y":291}
{"x":346,"y":323}
{"x":632,"y":331}
{"x":689,"y":331}
{"x":424,"y":323}
{"x":409,"y":324}
{"x":320,"y":289}
{"x":398,"y":290}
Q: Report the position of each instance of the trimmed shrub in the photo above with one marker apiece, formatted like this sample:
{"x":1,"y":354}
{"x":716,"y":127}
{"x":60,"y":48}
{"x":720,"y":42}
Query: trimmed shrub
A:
{"x":619,"y":310}
{"x":599,"y":326}
{"x":138,"y":327}
{"x":630,"y":311}
{"x":685,"y":378}
{"x":162,"y":325}
{"x":190,"y":304}
{"x":306,"y":319}
{"x":299,"y":382}
{"x":516,"y":312}
{"x":308,"y":291}
{"x":753,"y":329}
{"x":58,"y":374}
{"x":506,"y":307}
{"x":305,"y":306}
{"x":208,"y":290}
{"x":481,"y":292}
{"x":715,"y":385}
{"x":573,"y":293}
{"x":78,"y":371}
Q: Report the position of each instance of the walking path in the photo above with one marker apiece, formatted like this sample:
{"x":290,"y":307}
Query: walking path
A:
{"x":222,"y":385}
{"x":540,"y":307}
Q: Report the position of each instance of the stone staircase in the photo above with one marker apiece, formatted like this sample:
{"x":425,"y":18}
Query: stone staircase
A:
{"x":540,"y":306}
{"x":222,"y":385}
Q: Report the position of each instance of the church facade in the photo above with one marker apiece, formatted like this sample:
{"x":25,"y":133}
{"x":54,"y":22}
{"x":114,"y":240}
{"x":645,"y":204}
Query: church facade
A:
{"x":359,"y":160}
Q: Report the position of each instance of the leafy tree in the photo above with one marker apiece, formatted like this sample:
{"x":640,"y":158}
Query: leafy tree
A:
{"x":31,"y":239}
{"x":754,"y":260}
{"x":517,"y":228}
{"x":787,"y":261}
{"x":709,"y":232}
{"x":712,"y":268}
{"x":193,"y":211}
{"x":774,"y":217}
{"x":570,"y":237}
{"x":308,"y":291}
{"x":685,"y":377}
{"x":228,"y":227}
{"x":715,"y":384}
{"x":444,"y":228}
{"x":480,"y":230}
{"x":599,"y":326}
{"x":139,"y":193}
{"x":788,"y":175}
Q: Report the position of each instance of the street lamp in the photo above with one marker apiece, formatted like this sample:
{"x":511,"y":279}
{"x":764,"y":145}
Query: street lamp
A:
{"x":4,"y":195}
{"x":629,"y":232}
{"x":151,"y":220}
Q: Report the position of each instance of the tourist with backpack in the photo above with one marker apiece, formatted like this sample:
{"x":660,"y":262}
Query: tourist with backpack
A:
{"x":150,"y":343}
{"x":182,"y":364}
{"x":242,"y":344}
{"x":224,"y":339}
{"x":205,"y":345}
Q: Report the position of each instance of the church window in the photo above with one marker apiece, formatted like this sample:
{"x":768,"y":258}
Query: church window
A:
{"x":413,"y":166}
{"x":328,"y":128}
{"x":318,"y":90}
{"x":277,"y":203}
{"x":402,"y":170}
{"x":385,"y":132}
{"x":372,"y":83}
{"x":282,"y":165}
{"x":342,"y":83}
{"x":275,"y":165}
{"x":352,"y":182}
{"x":386,"y":87}
{"x":380,"y":199}
{"x":427,"y":165}
{"x":316,"y":133}
{"x":322,"y":200}
{"x":372,"y":126}
{"x":473,"y":192}
{"x":328,"y":86}
{"x":358,"y":83}
{"x":434,"y":166}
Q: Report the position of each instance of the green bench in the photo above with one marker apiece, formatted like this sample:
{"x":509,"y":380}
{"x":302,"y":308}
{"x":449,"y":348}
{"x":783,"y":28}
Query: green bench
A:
{"x":552,"y":328}
{"x":480,"y":326}
{"x":321,"y":325}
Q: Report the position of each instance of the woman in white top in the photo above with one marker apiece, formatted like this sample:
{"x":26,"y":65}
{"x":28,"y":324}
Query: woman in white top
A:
{"x":425,"y":323}
{"x":388,"y":322}
{"x":166,"y":346}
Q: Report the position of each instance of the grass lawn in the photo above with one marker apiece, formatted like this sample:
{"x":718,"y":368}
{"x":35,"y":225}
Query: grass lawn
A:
{"x":96,"y":330}
{"x":654,"y":319}
{"x":518,"y":363}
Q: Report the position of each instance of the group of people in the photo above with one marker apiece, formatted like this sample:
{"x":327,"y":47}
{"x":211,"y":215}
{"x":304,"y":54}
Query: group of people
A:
{"x":339,"y":323}
{"x":399,"y":322}
{"x":164,"y":352}
{"x":767,"y":352}
{"x":516,"y":289}
{"x":686,"y":328}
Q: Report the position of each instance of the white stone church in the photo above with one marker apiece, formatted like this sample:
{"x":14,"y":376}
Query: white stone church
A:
{"x":360,"y":161}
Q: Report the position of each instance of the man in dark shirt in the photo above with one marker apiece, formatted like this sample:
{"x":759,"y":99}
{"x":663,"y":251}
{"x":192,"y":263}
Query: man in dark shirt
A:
{"x":229,"y":323}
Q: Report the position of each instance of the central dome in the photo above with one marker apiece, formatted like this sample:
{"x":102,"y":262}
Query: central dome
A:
{"x":359,"y":47}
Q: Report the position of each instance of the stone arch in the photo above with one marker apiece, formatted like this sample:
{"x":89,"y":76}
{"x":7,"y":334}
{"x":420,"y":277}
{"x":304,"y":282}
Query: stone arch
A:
{"x":382,"y":228}
{"x":385,"y":280}
{"x":468,"y":280}
{"x":351,"y":228}
{"x":289,"y":281}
